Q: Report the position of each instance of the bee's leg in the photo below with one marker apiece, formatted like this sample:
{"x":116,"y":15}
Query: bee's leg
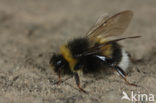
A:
{"x":123,"y":75}
{"x":76,"y":76}
{"x":59,"y":77}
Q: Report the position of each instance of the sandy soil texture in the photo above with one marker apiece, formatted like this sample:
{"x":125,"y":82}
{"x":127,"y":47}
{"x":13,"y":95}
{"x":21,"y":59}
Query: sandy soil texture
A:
{"x":30,"y":30}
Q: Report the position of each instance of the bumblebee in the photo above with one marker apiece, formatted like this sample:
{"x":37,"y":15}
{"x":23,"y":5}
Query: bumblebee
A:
{"x":97,"y":50}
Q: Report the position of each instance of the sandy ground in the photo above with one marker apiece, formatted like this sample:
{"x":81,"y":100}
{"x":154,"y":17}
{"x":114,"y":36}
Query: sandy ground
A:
{"x":30,"y":30}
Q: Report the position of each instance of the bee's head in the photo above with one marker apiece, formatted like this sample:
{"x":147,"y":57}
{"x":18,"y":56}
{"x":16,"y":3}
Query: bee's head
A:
{"x":57,"y":62}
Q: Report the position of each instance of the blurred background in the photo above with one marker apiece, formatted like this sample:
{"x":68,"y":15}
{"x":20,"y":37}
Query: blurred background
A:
{"x":31,"y":30}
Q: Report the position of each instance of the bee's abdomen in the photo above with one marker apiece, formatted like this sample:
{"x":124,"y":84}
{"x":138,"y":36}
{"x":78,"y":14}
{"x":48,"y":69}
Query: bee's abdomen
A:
{"x":124,"y":63}
{"x":112,"y":51}
{"x":120,"y":56}
{"x":116,"y":52}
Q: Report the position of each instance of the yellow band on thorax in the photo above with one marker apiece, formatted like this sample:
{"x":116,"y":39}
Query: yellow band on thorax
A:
{"x":68,"y":56}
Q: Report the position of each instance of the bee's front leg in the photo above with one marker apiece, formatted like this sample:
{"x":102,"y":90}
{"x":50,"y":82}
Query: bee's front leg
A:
{"x":59,"y":77}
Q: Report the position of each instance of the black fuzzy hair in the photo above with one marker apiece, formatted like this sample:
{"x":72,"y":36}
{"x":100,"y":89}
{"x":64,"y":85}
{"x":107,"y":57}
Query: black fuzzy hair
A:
{"x":90,"y":63}
{"x":94,"y":64}
{"x":78,"y":46}
{"x":116,"y":56}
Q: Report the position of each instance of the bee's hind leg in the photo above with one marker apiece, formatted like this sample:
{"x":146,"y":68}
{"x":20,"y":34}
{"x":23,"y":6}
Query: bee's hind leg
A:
{"x":77,"y":80}
{"x":123,"y":75}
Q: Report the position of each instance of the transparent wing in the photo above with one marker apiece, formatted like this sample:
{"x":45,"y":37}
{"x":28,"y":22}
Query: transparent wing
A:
{"x":99,"y":22}
{"x":111,"y":26}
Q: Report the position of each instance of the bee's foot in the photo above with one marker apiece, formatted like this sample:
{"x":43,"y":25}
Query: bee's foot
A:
{"x":132,"y":84}
{"x":58,"y":82}
{"x":82,"y":90}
